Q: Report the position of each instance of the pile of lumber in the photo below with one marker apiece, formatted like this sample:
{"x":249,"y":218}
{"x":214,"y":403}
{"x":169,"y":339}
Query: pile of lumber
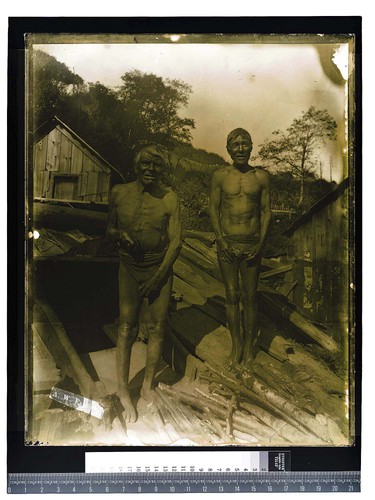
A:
{"x":291,"y":396}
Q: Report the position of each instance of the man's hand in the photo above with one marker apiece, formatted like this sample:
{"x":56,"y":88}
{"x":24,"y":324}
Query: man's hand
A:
{"x":150,"y":286}
{"x":254,"y":252}
{"x":128,"y":242}
{"x":224,"y":250}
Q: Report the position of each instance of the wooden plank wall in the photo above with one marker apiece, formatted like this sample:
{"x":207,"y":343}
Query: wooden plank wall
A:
{"x":59,"y":153}
{"x":319,"y":249}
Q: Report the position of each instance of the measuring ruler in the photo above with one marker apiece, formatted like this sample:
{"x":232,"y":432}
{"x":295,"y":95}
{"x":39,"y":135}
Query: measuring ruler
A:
{"x":185,"y":472}
{"x":185,"y":482}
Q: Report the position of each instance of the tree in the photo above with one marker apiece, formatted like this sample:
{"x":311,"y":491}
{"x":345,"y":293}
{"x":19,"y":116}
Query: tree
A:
{"x":52,"y":83}
{"x":152,"y":104}
{"x":98,"y":117}
{"x":295,"y":150}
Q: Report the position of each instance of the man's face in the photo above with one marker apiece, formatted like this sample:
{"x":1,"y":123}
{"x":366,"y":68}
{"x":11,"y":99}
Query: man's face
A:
{"x":240,"y":150}
{"x":149,"y":167}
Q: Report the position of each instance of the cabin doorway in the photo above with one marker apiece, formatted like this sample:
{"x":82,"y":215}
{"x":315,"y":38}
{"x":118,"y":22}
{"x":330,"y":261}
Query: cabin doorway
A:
{"x":65,"y":187}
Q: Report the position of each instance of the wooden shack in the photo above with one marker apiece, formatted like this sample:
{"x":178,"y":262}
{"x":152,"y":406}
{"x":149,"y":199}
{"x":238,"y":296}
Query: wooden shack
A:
{"x":66,"y":168}
{"x":319,"y":250}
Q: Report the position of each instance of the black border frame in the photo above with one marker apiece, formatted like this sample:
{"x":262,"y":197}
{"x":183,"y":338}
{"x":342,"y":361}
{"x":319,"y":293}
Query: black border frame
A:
{"x":60,"y":459}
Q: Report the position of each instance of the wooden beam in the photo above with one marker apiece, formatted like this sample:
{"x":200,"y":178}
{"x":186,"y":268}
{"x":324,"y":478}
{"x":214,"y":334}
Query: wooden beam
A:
{"x":55,"y":337}
{"x":277,"y":305}
{"x":270,"y":301}
{"x":276,"y":271}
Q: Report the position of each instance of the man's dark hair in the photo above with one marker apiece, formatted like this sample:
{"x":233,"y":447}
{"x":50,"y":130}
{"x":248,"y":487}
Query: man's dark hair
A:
{"x":236,"y":132}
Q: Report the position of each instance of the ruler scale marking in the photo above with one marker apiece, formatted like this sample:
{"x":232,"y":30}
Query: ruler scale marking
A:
{"x":186,"y":482}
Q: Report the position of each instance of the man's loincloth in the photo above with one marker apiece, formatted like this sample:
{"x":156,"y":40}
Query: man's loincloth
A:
{"x":142,"y":269}
{"x":241,"y":245}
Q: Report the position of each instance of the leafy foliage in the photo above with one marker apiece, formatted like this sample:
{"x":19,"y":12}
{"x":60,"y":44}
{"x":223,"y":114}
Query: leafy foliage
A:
{"x":295,"y":150}
{"x":52,"y":84}
{"x":151,"y":104}
{"x":145,"y":106}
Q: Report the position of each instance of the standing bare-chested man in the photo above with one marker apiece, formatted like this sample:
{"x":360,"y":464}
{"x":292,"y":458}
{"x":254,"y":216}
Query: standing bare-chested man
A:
{"x":240,"y":214}
{"x":144,"y":218}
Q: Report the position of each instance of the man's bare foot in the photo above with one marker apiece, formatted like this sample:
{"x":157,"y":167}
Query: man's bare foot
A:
{"x":247,"y":374}
{"x":148,"y":395}
{"x":232,"y":366}
{"x":129,"y":412}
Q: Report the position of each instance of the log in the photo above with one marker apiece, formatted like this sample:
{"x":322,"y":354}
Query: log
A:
{"x":313,"y":424}
{"x":256,"y":397}
{"x":215,"y":424}
{"x":191,"y":425}
{"x":178,"y":418}
{"x":272,"y":371}
{"x":301,"y":359}
{"x":65,"y":218}
{"x":240,"y":422}
{"x":269,"y":301}
{"x":275,"y":345}
{"x":54,"y":336}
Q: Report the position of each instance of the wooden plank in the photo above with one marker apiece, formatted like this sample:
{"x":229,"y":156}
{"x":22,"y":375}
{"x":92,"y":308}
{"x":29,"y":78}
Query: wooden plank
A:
{"x":92,"y":187}
{"x":101,"y":167}
{"x":207,"y":285}
{"x":274,"y":272}
{"x":54,"y":336}
{"x":38,"y":183}
{"x":47,"y":185}
{"x":207,"y":238}
{"x":65,"y":187}
{"x":189,"y":255}
{"x":191,"y":297}
{"x":84,"y":148}
{"x":215,"y":346}
{"x":77,"y":160}
{"x":287,"y":288}
{"x":273,"y":264}
{"x":40,"y":153}
{"x":45,"y":372}
{"x":88,"y":164}
{"x":82,"y":185}
{"x":65,"y":155}
{"x":102,"y":187}
{"x":105,"y":187}
{"x":191,"y":325}
{"x":53,"y":150}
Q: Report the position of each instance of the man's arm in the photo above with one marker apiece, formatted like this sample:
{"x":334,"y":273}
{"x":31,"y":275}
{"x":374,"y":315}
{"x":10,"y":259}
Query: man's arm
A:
{"x":265,"y":209}
{"x":174,"y":247}
{"x":112,"y":233}
{"x":214,"y":210}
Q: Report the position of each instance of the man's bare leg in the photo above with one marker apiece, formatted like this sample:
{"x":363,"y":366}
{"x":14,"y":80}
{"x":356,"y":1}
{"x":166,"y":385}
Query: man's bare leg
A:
{"x":249,"y":275}
{"x":127,"y":333}
{"x":157,"y":313}
{"x":229,"y":271}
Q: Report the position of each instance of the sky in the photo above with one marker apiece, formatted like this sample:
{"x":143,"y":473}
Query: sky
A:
{"x":259,"y":87}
